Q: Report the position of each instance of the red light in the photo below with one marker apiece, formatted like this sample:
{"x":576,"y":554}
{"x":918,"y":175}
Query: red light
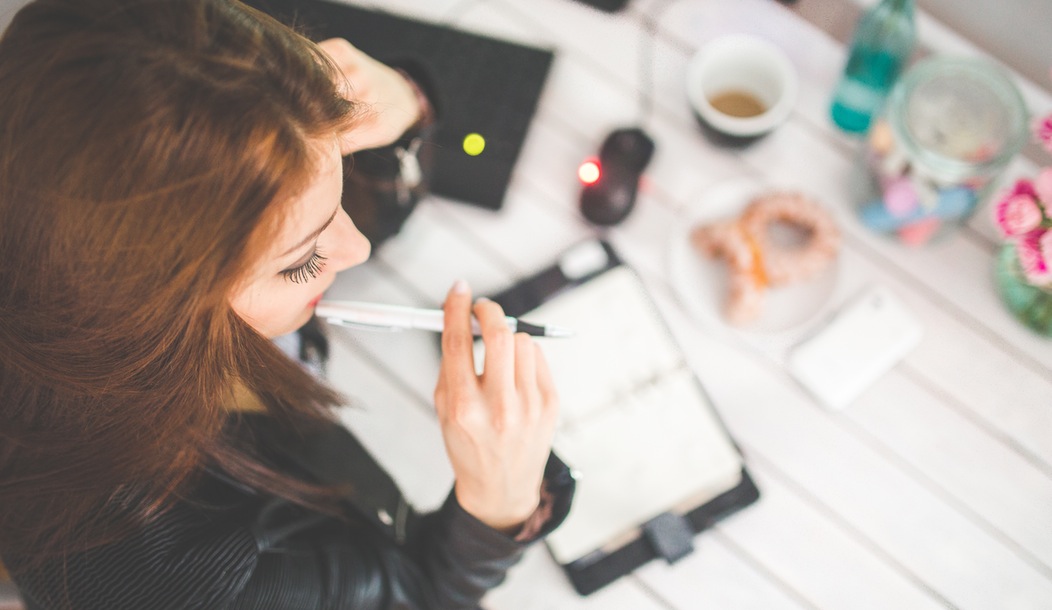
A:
{"x":589,"y":172}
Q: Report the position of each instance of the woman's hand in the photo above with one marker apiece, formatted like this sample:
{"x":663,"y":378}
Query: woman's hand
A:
{"x":497,"y":426}
{"x":390,"y":102}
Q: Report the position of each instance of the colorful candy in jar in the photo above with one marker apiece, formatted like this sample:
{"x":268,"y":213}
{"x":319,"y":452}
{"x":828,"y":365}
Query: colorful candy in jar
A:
{"x":948,"y":129}
{"x":910,"y":202}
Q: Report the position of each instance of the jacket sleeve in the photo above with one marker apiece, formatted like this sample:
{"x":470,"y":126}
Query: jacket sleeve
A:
{"x":273,"y":554}
{"x":184,"y":559}
{"x":384,"y":555}
{"x":448,"y":562}
{"x":331,"y":565}
{"x":227,"y":547}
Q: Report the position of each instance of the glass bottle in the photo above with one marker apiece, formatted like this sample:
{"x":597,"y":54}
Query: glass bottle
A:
{"x":881,"y":45}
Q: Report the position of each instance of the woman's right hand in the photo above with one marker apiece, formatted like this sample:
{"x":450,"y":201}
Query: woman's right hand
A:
{"x":498,"y":426}
{"x":391,"y":102}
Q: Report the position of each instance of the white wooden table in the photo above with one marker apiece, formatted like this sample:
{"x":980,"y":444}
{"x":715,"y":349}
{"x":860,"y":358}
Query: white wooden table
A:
{"x":932,"y":490}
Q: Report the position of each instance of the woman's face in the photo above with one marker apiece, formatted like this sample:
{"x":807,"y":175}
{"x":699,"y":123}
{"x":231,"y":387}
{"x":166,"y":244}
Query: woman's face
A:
{"x":314,"y":241}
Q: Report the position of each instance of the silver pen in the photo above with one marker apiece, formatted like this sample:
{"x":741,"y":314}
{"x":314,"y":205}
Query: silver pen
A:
{"x":376,"y":316}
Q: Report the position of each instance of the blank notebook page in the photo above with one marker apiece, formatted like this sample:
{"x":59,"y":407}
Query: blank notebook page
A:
{"x":634,"y":423}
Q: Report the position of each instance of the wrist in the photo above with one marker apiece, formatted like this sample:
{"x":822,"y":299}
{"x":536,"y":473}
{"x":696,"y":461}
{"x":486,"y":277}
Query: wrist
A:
{"x":425,"y":114}
{"x":508,"y":518}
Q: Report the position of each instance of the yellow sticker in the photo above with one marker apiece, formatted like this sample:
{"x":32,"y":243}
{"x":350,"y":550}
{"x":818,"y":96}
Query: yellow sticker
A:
{"x":474,"y":144}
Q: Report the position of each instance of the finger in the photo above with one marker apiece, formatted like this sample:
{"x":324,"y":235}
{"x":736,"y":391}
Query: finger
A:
{"x":352,"y":81}
{"x":341,"y":50}
{"x":332,"y":45}
{"x":343,"y":56}
{"x":458,"y":358}
{"x":545,"y":383}
{"x":341,"y":53}
{"x":525,"y":365}
{"x":499,"y":364}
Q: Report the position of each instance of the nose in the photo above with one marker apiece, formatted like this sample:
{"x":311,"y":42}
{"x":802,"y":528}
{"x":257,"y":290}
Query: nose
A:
{"x":348,"y":247}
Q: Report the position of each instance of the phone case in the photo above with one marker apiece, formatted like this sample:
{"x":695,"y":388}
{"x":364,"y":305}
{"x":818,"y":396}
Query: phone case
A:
{"x":859,"y":344}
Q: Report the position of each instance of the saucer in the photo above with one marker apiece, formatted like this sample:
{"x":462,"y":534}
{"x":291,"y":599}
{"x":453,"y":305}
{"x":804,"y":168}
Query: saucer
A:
{"x":701,"y":282}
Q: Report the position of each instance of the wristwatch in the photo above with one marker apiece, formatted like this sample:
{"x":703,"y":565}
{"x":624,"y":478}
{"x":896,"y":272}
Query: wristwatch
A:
{"x":406,"y":150}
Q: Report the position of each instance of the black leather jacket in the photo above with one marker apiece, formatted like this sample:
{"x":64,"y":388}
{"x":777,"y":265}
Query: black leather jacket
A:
{"x":229,"y":547}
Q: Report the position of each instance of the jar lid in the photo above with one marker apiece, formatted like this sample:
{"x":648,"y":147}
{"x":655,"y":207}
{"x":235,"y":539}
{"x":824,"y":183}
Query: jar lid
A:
{"x":958,"y":117}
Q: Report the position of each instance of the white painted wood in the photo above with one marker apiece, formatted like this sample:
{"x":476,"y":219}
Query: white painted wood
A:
{"x":795,"y":157}
{"x":719,"y":575}
{"x":932,"y":490}
{"x":824,"y":562}
{"x":431,"y":257}
{"x":537,"y":583}
{"x":416,"y":366}
{"x":392,"y":425}
{"x":781,"y":426}
{"x":992,"y":389}
{"x":991,"y":483}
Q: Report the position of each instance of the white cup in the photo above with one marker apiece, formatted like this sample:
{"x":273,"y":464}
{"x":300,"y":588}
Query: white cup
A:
{"x":735,"y":65}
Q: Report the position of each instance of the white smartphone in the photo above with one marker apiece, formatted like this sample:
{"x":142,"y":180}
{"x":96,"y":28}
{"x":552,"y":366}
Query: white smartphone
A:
{"x":861,"y":342}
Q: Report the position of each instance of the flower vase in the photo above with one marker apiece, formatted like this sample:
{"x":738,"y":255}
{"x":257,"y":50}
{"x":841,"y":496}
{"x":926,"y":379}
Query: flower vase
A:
{"x":1030,"y":303}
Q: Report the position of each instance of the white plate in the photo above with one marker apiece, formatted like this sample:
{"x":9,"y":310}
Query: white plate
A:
{"x":700,"y":282}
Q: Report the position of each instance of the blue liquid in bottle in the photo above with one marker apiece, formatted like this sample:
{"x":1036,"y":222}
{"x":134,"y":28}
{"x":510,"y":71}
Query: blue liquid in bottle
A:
{"x":881,"y":45}
{"x":858,"y":98}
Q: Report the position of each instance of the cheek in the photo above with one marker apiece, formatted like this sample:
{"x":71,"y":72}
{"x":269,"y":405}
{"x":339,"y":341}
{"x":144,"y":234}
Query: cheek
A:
{"x":250,"y":307}
{"x":272,"y":312}
{"x":242,"y":302}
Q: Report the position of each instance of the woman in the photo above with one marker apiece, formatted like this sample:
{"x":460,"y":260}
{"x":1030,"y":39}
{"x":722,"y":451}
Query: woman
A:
{"x":170,"y":177}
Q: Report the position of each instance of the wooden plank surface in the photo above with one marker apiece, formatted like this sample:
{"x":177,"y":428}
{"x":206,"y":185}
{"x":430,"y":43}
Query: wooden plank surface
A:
{"x":933,"y":490}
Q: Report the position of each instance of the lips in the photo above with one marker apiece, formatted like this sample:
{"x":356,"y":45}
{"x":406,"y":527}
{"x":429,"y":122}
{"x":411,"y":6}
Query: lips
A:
{"x":314,"y":302}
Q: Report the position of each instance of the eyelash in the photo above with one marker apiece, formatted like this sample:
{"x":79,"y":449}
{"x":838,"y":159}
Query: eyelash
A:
{"x":307,"y":271}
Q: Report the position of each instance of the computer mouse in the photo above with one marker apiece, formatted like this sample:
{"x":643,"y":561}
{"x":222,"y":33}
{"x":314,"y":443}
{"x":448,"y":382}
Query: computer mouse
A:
{"x":623,"y":156}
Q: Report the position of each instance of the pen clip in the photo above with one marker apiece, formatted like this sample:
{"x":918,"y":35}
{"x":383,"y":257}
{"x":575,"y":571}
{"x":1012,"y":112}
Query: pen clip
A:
{"x":373,"y":327}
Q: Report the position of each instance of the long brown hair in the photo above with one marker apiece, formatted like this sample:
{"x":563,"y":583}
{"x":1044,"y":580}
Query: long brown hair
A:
{"x":146,"y":149}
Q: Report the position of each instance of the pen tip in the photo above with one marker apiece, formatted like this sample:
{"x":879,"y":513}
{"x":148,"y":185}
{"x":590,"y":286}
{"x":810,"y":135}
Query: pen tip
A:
{"x":558,"y":332}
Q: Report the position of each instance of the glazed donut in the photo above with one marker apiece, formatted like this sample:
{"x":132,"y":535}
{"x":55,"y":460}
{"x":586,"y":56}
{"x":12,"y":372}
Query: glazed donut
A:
{"x":745,"y":277}
{"x":787,"y":265}
{"x":724,"y":240}
{"x":754,"y":262}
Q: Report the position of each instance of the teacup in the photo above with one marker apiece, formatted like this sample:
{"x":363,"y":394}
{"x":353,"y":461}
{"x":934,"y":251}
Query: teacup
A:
{"x":740,"y":87}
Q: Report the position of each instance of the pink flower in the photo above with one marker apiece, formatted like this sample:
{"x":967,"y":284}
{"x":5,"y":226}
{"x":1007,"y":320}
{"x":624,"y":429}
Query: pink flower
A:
{"x":1017,"y":214}
{"x":1043,"y":130}
{"x":1043,"y":189}
{"x":1023,"y":187}
{"x":1033,"y":251}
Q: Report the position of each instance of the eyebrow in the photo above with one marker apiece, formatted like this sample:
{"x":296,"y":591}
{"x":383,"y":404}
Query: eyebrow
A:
{"x":313,"y":234}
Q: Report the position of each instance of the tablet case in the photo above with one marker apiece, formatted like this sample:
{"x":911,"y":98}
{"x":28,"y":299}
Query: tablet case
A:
{"x":478,"y":85}
{"x":669,"y":536}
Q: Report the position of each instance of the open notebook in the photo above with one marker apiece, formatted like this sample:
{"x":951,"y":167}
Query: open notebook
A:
{"x":635,"y":424}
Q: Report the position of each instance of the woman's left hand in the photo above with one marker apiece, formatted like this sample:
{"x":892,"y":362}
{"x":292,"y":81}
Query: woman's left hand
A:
{"x":391,"y":105}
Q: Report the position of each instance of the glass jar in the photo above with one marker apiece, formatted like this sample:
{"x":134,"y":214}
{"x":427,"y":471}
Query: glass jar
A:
{"x":1031,"y":304}
{"x":950,"y":126}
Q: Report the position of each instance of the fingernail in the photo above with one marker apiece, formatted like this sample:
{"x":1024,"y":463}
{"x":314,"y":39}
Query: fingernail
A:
{"x":460,"y":286}
{"x":482,"y":300}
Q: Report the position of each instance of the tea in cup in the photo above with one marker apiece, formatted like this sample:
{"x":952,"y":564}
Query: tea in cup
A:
{"x":740,"y":87}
